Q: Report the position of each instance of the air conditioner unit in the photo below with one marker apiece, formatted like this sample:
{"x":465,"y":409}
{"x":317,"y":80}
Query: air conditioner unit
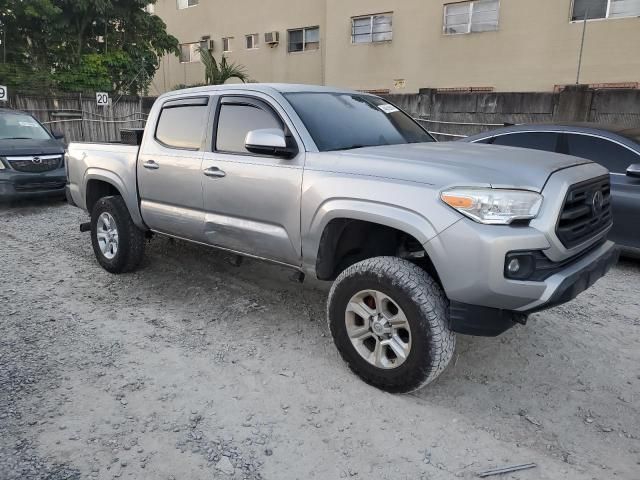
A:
{"x":272,"y":38}
{"x":206,"y":43}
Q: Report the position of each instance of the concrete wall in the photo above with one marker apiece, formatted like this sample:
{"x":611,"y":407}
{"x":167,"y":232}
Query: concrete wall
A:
{"x":535,"y":48}
{"x":620,"y":107}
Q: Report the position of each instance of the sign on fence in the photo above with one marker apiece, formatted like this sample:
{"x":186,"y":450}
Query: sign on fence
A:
{"x":102,"y":99}
{"x":4,"y":94}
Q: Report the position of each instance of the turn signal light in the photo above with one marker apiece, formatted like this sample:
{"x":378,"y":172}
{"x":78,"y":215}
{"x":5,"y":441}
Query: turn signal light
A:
{"x":457,"y":201}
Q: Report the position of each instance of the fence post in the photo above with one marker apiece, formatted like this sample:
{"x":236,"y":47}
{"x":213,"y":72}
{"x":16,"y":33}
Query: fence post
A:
{"x":81,"y":116}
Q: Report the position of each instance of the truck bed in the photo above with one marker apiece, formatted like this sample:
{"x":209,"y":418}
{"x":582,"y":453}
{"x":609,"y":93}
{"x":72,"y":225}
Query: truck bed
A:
{"x":115,"y":162}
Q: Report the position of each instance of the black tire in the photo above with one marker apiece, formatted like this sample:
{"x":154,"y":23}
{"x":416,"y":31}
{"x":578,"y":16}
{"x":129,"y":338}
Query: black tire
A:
{"x":130,"y":237}
{"x":425,"y":306}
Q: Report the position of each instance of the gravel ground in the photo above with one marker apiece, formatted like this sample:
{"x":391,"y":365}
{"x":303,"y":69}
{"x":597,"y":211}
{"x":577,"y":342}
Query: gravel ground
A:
{"x":192,"y":368}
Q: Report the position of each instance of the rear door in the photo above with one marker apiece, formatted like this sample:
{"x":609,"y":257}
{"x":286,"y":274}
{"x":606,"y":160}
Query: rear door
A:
{"x":252,"y":202}
{"x":169,"y":169}
{"x":625,"y":190}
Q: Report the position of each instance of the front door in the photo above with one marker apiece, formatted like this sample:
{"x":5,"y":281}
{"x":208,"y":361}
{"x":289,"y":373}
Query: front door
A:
{"x":170,"y":170}
{"x":251,"y":202}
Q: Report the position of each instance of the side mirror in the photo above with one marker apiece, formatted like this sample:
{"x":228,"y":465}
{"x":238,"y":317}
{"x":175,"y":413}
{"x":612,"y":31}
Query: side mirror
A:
{"x":269,"y":141}
{"x":57,"y":135}
{"x":634,"y":170}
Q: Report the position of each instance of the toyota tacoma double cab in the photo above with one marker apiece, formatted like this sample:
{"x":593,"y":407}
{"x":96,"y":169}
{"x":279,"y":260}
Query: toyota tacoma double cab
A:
{"x":422,"y":240}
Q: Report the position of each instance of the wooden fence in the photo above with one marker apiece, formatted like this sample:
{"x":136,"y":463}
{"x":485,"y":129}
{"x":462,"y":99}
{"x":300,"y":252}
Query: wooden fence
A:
{"x":79,"y":117}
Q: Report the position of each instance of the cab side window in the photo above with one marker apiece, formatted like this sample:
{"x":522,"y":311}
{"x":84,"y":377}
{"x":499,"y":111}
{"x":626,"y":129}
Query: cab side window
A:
{"x":182,"y":126}
{"x":235,"y":120}
{"x":605,"y":152}
{"x":547,"y":141}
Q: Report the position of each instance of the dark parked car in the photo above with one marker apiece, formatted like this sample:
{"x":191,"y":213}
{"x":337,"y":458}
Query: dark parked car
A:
{"x":616,"y":148}
{"x":31,"y":158}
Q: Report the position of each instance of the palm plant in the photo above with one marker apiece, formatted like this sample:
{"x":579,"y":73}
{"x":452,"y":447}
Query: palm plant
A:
{"x":218,"y":73}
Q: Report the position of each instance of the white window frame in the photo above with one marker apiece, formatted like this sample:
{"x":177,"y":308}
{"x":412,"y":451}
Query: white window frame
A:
{"x":194,"y":56}
{"x":255,"y":39}
{"x":228,"y":40}
{"x":304,"y":39}
{"x":606,"y":17}
{"x":185,"y":4}
{"x":371,"y":18}
{"x":471,"y":4}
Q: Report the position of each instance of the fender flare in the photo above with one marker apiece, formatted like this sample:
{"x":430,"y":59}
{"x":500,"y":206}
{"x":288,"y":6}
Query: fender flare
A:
{"x":130,"y":198}
{"x":405,"y":220}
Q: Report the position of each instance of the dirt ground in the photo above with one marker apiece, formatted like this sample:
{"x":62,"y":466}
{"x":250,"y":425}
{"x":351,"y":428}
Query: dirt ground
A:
{"x":192,"y":368}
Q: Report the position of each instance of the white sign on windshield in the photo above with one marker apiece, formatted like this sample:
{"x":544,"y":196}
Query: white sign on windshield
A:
{"x":4,"y":94}
{"x":102,"y":98}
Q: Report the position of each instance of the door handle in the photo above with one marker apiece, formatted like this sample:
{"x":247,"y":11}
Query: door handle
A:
{"x":151,"y":165}
{"x":214,"y":172}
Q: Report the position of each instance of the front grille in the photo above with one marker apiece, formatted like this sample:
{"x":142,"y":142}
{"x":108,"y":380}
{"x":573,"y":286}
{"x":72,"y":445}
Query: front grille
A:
{"x":35,"y":186}
{"x":35,"y":164}
{"x":586,"y":212}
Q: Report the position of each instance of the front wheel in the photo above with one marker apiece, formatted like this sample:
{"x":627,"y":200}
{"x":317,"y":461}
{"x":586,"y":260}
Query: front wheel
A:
{"x":388,"y":319}
{"x":117,"y":243}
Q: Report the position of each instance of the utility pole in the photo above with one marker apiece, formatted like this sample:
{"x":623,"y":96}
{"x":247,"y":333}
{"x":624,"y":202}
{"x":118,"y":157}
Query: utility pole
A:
{"x":584,"y":31}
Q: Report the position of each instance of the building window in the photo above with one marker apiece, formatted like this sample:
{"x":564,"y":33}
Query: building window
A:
{"x":187,"y":3}
{"x":471,"y":17}
{"x":251,"y":41}
{"x":189,"y":52}
{"x":303,"y":39}
{"x":372,"y":28}
{"x":226,"y":44}
{"x":594,"y":9}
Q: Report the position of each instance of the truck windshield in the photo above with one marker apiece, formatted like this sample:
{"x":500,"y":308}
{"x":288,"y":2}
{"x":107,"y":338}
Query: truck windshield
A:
{"x":342,"y":121}
{"x":21,"y":126}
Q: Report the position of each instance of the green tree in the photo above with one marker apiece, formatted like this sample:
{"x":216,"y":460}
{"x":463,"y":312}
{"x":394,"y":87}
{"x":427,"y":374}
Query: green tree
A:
{"x":72,"y":39}
{"x":218,"y":73}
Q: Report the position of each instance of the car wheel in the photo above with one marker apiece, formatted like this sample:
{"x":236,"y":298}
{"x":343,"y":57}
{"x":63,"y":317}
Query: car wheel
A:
{"x":388,"y":319}
{"x":117,"y":242}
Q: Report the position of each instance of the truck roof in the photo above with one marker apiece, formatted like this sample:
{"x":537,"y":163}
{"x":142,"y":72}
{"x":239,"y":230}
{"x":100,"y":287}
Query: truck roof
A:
{"x":264,"y":88}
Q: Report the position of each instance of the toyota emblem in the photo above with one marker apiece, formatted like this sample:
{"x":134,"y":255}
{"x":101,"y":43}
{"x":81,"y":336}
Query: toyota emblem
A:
{"x":36,"y":160}
{"x":597,"y":202}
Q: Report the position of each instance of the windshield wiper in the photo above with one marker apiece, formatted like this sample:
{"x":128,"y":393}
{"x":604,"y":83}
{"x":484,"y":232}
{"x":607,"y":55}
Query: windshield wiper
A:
{"x":350,"y":147}
{"x":16,"y":138}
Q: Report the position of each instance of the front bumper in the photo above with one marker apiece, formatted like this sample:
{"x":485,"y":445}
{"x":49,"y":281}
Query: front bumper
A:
{"x":560,"y":288}
{"x":17,"y":185}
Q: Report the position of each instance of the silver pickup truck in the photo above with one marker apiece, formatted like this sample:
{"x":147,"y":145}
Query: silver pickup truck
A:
{"x":421,"y":239}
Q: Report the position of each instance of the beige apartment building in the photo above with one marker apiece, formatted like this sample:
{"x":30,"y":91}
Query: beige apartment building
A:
{"x":400,"y":46}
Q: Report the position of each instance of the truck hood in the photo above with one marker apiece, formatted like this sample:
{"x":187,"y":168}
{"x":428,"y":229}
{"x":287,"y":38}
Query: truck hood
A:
{"x":17,"y":147}
{"x":455,"y":163}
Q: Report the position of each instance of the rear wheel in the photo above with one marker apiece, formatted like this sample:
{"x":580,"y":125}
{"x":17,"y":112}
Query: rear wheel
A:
{"x":388,"y":318}
{"x":117,"y":243}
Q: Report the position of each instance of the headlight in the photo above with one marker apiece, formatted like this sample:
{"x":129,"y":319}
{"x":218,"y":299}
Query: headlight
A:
{"x":1,"y":165}
{"x":493,"y":206}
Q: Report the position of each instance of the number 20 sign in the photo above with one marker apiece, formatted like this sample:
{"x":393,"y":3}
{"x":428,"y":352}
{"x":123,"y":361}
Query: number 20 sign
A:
{"x":102,"y":98}
{"x":4,"y":93}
